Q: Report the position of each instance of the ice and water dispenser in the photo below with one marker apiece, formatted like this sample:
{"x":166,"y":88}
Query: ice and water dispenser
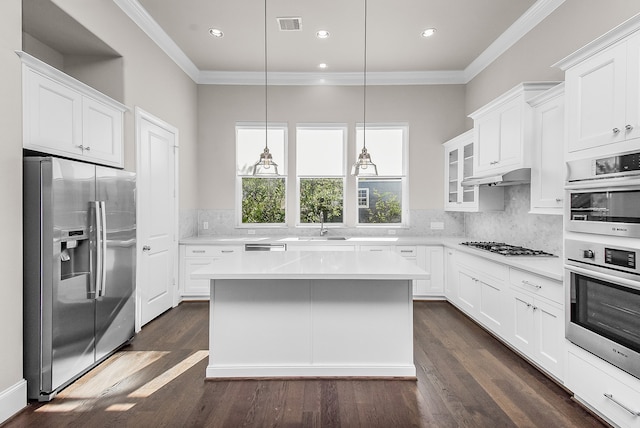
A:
{"x":75,"y":253}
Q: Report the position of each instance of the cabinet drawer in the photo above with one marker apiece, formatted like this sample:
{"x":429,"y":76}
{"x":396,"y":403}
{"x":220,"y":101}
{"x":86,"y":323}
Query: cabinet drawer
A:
{"x":408,"y":251}
{"x":376,"y":247}
{"x":537,"y":285}
{"x":210,"y":250}
{"x":609,"y":396}
{"x":483,"y":266}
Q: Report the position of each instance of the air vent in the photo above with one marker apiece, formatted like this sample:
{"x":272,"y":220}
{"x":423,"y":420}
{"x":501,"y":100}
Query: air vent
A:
{"x":290,"y":23}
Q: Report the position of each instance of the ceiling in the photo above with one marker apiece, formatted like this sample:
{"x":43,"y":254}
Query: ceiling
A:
{"x":470,"y":35}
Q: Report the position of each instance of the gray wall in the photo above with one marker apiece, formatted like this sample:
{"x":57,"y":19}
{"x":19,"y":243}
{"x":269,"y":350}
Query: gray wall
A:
{"x":571,"y":26}
{"x":151,"y":81}
{"x":434,"y":113}
{"x":11,"y":194}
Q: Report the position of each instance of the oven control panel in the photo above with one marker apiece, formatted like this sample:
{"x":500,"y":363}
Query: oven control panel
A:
{"x":624,"y":258}
{"x":602,"y":255}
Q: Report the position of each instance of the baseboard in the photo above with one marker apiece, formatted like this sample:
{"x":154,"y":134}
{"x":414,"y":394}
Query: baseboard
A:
{"x":12,"y":400}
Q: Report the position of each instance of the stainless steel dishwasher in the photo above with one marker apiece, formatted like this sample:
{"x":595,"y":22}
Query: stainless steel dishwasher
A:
{"x":265,"y":247}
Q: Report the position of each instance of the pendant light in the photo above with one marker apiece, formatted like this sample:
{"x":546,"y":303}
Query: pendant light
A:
{"x":364,"y":166}
{"x":265,"y":165}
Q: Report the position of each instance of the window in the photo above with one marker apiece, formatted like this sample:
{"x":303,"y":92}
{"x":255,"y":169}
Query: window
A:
{"x":260,"y":199}
{"x":386,"y":201}
{"x":363,"y":197}
{"x":320,"y":166}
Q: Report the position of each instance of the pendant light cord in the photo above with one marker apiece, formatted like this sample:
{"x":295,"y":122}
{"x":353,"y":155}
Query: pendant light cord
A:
{"x":266,"y":117}
{"x":364,"y":89}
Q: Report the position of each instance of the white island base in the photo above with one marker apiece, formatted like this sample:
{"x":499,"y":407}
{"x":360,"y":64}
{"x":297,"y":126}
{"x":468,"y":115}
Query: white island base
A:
{"x":311,"y":314}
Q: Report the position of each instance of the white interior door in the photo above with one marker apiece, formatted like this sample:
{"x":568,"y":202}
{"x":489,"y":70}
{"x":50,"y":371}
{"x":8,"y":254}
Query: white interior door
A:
{"x":157,"y":144}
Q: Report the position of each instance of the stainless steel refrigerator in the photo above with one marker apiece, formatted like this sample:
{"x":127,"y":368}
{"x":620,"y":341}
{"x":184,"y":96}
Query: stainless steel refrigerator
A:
{"x":79,"y":269}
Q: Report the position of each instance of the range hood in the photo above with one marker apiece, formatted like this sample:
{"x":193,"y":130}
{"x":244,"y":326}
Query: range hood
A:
{"x":510,"y":178}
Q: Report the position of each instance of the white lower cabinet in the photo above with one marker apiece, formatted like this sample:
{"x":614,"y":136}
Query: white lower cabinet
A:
{"x":537,"y":323}
{"x":608,"y":391}
{"x":193,"y":257}
{"x":431,"y":259}
{"x":523,"y":309}
{"x":479,"y":290}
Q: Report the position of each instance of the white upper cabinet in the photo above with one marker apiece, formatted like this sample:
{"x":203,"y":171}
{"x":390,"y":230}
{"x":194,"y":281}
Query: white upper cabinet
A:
{"x":502,"y":130}
{"x":548,"y":168}
{"x":64,"y":117}
{"x":603,"y":93}
{"x":458,"y":158}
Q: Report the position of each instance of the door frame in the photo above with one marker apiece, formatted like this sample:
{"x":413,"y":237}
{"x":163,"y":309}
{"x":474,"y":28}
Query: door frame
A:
{"x":142,"y":115}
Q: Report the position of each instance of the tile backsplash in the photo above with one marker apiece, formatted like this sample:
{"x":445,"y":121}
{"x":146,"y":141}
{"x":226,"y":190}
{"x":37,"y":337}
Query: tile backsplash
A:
{"x":222,"y":223}
{"x":515,"y":225}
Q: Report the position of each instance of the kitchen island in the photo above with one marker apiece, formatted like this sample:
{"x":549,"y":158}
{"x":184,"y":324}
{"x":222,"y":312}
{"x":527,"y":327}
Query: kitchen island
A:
{"x":311,"y":314}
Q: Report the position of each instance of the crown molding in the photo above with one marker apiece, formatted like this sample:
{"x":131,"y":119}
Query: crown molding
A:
{"x":336,"y":79}
{"x":142,"y":19}
{"x":611,"y":37}
{"x":532,"y":17}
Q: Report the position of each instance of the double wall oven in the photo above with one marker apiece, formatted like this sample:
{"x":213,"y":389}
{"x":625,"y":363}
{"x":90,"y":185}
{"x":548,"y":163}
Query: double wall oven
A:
{"x":602,"y":250}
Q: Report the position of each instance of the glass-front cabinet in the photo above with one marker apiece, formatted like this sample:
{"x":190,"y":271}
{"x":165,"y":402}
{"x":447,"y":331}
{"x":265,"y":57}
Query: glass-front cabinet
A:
{"x":458,"y":155}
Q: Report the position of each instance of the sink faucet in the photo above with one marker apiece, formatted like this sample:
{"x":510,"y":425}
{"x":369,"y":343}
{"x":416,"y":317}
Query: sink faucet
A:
{"x":323,"y":230}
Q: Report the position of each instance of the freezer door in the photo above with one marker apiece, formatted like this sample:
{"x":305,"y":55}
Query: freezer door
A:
{"x":72,"y":307}
{"x":115,"y":304}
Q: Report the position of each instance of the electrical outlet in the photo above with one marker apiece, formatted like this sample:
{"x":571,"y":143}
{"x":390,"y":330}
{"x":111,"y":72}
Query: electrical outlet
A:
{"x":391,"y":231}
{"x":205,"y":225}
{"x":251,"y":232}
{"x":437,"y":225}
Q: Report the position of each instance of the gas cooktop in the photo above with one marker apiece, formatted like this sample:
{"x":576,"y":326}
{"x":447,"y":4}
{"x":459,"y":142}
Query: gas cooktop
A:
{"x":506,"y":249}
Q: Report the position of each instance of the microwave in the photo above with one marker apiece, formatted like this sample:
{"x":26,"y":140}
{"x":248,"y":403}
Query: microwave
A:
{"x":603,"y":195}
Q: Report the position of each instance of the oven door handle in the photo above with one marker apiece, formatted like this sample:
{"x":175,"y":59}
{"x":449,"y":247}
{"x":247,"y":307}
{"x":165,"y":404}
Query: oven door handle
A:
{"x":617,"y":183}
{"x":604,"y":276}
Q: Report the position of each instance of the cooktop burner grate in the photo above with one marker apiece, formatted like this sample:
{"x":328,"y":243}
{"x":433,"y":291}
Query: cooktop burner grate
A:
{"x":506,"y":249}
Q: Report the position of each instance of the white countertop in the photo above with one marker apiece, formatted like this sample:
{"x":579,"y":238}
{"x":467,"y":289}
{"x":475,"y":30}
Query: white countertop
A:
{"x":550,"y":267}
{"x":312,"y":265}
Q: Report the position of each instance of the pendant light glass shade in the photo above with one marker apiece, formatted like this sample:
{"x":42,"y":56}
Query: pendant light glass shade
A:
{"x":363,"y":166}
{"x":265,"y":165}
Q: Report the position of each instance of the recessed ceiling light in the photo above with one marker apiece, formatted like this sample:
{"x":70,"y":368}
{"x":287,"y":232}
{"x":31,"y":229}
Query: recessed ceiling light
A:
{"x":428,"y":32}
{"x":215,"y":32}
{"x":322,"y":34}
{"x":322,"y":66}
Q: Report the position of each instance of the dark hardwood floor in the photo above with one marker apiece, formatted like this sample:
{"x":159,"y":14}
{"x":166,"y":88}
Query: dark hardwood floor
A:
{"x":466,"y":378}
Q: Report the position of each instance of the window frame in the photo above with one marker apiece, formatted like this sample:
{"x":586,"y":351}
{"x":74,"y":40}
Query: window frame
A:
{"x":345,"y":132}
{"x":283,"y":174}
{"x":404,"y":220}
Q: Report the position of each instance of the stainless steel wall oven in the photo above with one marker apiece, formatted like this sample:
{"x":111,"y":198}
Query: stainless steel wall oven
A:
{"x":603,"y":301}
{"x":601,"y":249}
{"x":604,"y":195}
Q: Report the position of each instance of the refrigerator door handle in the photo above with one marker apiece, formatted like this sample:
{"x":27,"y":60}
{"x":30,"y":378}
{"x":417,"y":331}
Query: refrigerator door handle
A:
{"x":99,"y":254}
{"x":102,"y":254}
{"x":96,"y":250}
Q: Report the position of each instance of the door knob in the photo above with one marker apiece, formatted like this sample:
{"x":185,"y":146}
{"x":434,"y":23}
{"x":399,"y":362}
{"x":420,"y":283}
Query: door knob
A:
{"x":628,"y":127}
{"x":146,"y":248}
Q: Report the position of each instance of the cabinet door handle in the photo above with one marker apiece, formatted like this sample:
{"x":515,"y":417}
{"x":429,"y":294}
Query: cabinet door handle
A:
{"x":633,"y":412}
{"x":226,"y":251}
{"x":80,"y":146}
{"x":87,"y":148}
{"x":616,"y":130}
{"x":558,"y":199}
{"x":146,"y":248}
{"x":628,"y":127}
{"x":531,"y":284}
{"x":197,"y":251}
